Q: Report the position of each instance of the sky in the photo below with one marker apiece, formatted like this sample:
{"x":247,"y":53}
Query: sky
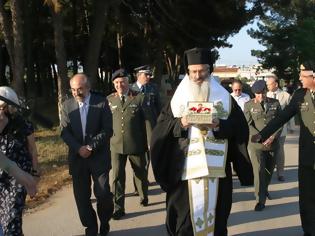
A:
{"x":239,"y":53}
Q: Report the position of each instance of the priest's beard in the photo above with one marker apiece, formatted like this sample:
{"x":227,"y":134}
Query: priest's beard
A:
{"x":198,"y":93}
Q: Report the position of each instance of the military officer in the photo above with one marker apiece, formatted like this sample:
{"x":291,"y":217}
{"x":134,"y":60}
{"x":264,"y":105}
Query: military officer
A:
{"x":258,"y":112}
{"x":132,"y":125}
{"x":143,"y":84}
{"x":303,"y":104}
{"x":150,"y":90}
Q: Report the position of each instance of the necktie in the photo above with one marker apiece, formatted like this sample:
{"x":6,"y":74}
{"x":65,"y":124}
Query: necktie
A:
{"x":274,"y":95}
{"x":123,"y":99}
{"x":83,"y":114}
{"x":142,"y":89}
{"x":264,"y":105}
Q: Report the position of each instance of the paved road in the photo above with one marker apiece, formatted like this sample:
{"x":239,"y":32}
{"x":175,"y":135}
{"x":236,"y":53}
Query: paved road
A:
{"x":59,"y":216}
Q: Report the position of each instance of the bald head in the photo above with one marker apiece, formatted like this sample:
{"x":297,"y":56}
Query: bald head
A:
{"x":237,"y":87}
{"x":80,"y":86}
{"x":272,"y":83}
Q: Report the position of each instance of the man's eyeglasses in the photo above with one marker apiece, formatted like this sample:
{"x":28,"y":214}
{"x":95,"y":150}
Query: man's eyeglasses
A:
{"x":237,"y":90}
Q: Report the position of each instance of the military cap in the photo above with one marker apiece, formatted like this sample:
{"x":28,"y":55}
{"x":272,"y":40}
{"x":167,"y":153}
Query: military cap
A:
{"x":143,"y":69}
{"x":119,"y":73}
{"x":259,"y":86}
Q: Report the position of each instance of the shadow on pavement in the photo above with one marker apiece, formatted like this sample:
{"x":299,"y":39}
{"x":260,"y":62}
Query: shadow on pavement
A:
{"x":153,"y":190}
{"x":288,"y":231}
{"x":274,"y":211}
{"x":157,"y":230}
{"x":249,"y":196}
{"x":291,"y":175}
{"x":139,"y":213}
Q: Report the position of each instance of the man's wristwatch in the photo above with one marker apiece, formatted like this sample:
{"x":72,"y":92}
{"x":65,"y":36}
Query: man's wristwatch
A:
{"x":88,"y":147}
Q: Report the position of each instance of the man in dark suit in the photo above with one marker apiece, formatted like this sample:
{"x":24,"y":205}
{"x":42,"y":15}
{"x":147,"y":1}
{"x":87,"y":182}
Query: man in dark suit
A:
{"x":303,"y":105}
{"x":86,"y":127}
{"x":258,"y":112}
{"x":132,"y":124}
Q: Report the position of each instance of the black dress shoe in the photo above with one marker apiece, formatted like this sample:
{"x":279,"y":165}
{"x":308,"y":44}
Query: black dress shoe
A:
{"x":268,"y":195}
{"x":118,"y":214}
{"x":281,"y":178}
{"x":144,"y":202}
{"x":259,"y":206}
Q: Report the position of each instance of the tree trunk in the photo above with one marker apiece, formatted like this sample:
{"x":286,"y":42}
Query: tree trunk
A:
{"x":95,"y":41}
{"x":63,"y":82}
{"x":3,"y":64}
{"x":119,"y":46}
{"x":5,"y":23}
{"x":30,"y":72}
{"x":17,"y":30}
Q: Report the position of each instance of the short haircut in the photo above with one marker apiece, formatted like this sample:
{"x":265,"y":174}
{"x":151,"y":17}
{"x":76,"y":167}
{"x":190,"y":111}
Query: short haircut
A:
{"x":273,"y":76}
{"x":237,"y":81}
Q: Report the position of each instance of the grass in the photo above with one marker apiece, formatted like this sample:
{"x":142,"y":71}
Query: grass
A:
{"x":52,"y":164}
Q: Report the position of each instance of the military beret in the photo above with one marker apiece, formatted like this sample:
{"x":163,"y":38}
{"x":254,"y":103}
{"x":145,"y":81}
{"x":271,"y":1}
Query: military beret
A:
{"x":143,"y":69}
{"x":259,"y":86}
{"x":119,"y":73}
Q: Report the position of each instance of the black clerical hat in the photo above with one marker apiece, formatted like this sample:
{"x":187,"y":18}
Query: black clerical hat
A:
{"x":259,"y":86}
{"x":119,"y":73}
{"x":198,"y":56}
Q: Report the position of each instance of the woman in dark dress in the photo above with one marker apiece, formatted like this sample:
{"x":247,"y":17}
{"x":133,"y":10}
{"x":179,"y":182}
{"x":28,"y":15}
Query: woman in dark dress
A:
{"x":18,"y":144}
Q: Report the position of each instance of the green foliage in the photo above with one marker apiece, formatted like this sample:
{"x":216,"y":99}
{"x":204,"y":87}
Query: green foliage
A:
{"x":287,"y":30}
{"x":151,"y":32}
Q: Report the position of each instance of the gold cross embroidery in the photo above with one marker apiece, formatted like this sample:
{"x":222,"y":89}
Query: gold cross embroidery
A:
{"x":199,"y":222}
{"x":210,"y":218}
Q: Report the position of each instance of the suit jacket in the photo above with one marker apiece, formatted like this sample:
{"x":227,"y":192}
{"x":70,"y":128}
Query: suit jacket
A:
{"x":284,"y":99}
{"x":132,"y":123}
{"x":152,"y":97}
{"x":98,"y":132}
{"x":303,"y":105}
{"x":257,"y":118}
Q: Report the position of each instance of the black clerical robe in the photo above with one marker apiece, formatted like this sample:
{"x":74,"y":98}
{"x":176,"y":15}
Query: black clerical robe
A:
{"x":169,"y":145}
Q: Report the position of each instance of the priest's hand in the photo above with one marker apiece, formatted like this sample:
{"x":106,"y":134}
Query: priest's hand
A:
{"x":184,"y":122}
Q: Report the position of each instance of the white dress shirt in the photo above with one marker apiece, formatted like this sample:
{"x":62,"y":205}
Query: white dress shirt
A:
{"x":241,"y":100}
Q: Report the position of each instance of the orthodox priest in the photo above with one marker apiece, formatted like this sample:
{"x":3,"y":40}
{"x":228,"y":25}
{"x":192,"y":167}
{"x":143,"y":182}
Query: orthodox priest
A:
{"x":191,"y":161}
